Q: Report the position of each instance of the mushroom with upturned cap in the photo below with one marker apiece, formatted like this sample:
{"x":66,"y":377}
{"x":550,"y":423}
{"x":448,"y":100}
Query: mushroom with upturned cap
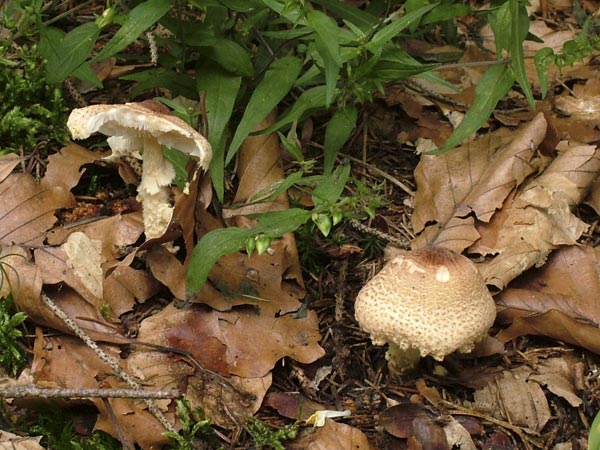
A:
{"x":140,"y":130}
{"x":430,"y":301}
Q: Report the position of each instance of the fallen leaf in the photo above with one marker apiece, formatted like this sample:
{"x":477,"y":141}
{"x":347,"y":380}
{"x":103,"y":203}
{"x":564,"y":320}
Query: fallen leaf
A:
{"x":539,"y":218}
{"x":29,"y":209}
{"x":512,"y":397}
{"x":471,"y":181}
{"x":84,"y":257}
{"x":558,"y":375}
{"x":64,"y":167}
{"x":333,"y":436}
{"x":293,"y":406}
{"x":7,"y":164}
{"x":398,"y":420}
{"x":457,"y":436}
{"x":10,"y":441}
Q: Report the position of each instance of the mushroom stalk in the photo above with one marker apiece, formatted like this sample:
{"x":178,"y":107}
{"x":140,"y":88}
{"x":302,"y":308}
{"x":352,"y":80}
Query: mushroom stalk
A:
{"x":153,"y":191}
{"x":146,"y":127}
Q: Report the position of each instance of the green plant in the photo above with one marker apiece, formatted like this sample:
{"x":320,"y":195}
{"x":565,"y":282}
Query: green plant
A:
{"x":265,"y":438}
{"x":194,"y":427}
{"x":55,"y":425}
{"x":594,"y":437}
{"x":32,"y":110}
{"x":241,"y":59}
{"x":12,"y":354}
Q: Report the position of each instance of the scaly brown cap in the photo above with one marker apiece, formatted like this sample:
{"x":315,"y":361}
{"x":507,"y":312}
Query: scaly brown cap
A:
{"x":431,"y":300}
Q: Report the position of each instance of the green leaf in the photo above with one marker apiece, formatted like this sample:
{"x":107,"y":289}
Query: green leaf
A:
{"x":594,"y":436}
{"x":328,"y":48}
{"x":310,"y":99}
{"x":501,"y":23}
{"x":492,"y":86}
{"x":140,"y":18}
{"x":223,"y":241}
{"x":275,"y":85}
{"x":519,"y":30}
{"x":395,"y":63}
{"x":271,"y":192}
{"x":86,"y":73}
{"x":543,"y":59}
{"x":231,"y":56}
{"x":327,"y":30}
{"x":221,"y":90}
{"x":327,"y":193}
{"x":352,"y":14}
{"x":65,"y":53}
{"x":339,"y":129}
{"x":446,"y":12}
{"x":178,"y":83}
{"x":390,"y":31}
{"x":179,"y":161}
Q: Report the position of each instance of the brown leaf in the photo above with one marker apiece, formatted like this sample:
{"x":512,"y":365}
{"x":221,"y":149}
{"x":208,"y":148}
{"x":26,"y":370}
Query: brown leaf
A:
{"x":7,"y":164}
{"x":64,"y":167}
{"x":510,"y":396}
{"x":457,"y":436}
{"x":559,"y":375}
{"x":538,"y":219}
{"x":65,"y":362}
{"x":125,"y":286}
{"x":293,"y":406}
{"x":556,"y":325}
{"x":473,"y":179}
{"x":333,"y":436}
{"x":568,"y":283}
{"x":9,"y":441}
{"x":398,"y":420}
{"x":29,"y":209}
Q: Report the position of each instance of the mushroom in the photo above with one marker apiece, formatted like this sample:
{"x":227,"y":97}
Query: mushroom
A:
{"x":141,"y":130}
{"x":430,"y":301}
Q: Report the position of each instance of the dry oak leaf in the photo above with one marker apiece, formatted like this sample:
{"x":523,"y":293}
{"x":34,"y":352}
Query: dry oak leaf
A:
{"x":204,"y":375}
{"x":333,"y":436}
{"x":557,"y":300}
{"x":10,"y":441}
{"x":512,"y":397}
{"x":539,"y":218}
{"x":562,"y":376}
{"x":28,"y":209}
{"x":63,"y":362}
{"x":470,"y":182}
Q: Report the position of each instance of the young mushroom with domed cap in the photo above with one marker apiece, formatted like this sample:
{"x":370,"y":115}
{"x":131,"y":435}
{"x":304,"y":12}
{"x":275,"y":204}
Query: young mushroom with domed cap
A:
{"x":430,"y":301}
{"x":141,"y":130}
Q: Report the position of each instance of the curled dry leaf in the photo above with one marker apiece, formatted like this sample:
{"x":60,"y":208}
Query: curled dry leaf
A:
{"x":64,"y":362}
{"x":10,"y":441}
{"x":333,"y":436}
{"x":539,"y":218}
{"x":512,"y":397}
{"x":472,"y":182}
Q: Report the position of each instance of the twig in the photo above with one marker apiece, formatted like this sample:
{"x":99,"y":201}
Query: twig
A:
{"x":107,"y":359}
{"x":381,"y":173}
{"x":400,"y":243}
{"x":37,"y":392}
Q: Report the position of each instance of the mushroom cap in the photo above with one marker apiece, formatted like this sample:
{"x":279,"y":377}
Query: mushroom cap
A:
{"x":430,"y":299}
{"x":130,"y":123}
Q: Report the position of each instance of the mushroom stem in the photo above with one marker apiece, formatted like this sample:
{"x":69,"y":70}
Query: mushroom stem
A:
{"x":153,"y":192}
{"x":402,"y":360}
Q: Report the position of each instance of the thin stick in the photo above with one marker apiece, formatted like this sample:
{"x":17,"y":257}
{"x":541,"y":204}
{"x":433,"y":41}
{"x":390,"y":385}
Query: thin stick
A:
{"x":37,"y":392}
{"x":381,"y":173}
{"x":107,"y":359}
{"x":400,"y":243}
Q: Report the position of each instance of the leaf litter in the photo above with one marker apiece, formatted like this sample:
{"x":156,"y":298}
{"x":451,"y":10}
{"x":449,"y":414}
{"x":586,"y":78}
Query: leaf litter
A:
{"x":511,"y":198}
{"x":208,"y":350}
